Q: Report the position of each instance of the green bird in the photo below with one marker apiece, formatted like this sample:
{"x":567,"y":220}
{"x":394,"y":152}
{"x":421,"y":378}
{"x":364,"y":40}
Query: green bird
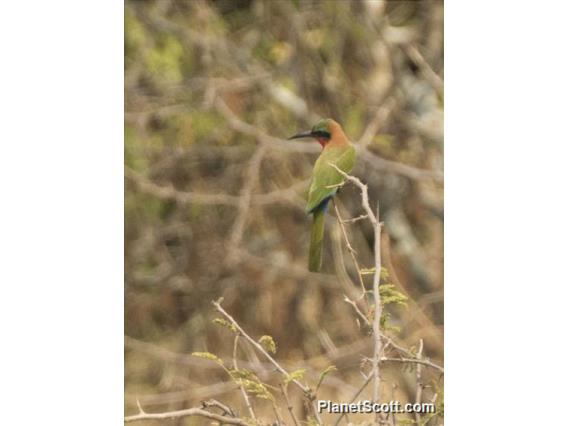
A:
{"x":326,"y":180}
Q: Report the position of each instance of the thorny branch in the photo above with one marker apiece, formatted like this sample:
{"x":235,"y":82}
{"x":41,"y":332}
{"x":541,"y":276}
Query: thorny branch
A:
{"x":199,"y":412}
{"x":257,"y":346}
{"x":241,"y":387}
{"x":377,"y":225}
{"x":305,"y":389}
{"x":419,"y":385}
{"x":289,"y":405}
{"x":351,"y":251}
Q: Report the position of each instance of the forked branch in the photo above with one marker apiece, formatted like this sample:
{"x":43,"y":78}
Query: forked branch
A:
{"x":377,"y":225}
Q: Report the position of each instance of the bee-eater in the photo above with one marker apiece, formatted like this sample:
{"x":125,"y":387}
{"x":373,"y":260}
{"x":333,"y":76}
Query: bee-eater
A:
{"x":337,"y":150}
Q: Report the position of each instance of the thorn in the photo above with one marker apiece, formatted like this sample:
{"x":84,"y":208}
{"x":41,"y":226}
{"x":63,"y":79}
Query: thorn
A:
{"x":140,"y":407}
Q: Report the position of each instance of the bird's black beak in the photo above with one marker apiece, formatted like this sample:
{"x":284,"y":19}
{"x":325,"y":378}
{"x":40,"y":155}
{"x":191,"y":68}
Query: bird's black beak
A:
{"x":307,"y":134}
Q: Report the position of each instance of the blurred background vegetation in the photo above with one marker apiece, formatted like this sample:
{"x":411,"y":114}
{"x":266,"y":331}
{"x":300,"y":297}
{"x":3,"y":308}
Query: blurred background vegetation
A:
{"x":215,"y":194}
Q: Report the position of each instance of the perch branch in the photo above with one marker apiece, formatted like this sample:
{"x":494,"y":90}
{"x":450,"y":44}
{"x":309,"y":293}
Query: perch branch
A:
{"x":377,"y":225}
{"x":377,"y":335}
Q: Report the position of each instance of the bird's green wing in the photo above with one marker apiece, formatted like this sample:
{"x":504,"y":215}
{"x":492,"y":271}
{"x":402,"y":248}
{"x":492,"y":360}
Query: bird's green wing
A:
{"x":325,"y":178}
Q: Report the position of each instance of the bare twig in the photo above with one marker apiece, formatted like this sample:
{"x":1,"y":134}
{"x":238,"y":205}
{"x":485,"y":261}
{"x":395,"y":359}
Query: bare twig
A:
{"x":418,"y":398}
{"x":374,"y":160}
{"x":224,"y":408}
{"x":186,"y":413}
{"x":277,"y":414}
{"x":378,"y":310}
{"x":379,"y":118}
{"x":355,"y":219}
{"x":140,"y":409}
{"x":251,"y":179}
{"x":289,"y":405}
{"x":357,"y":311}
{"x":243,"y":127}
{"x":434,"y":79}
{"x":241,"y":387}
{"x":399,"y":168}
{"x":192,"y":393}
{"x":377,"y":225}
{"x":168,"y":192}
{"x":414,"y":361}
{"x":305,"y":389}
{"x":258,"y":346}
{"x":361,"y":389}
{"x":351,"y":251}
{"x":364,"y":194}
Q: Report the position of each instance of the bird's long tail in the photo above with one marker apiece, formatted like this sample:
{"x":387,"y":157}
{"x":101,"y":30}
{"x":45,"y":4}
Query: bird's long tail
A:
{"x":316,"y":239}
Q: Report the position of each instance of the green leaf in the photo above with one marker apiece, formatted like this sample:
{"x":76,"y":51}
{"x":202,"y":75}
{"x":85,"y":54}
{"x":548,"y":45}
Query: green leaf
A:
{"x":243,"y":373}
{"x":295,"y":375}
{"x":225,"y":323}
{"x":390,"y":295}
{"x":208,"y":355}
{"x":268,"y":343}
{"x":324,"y":373}
{"x":256,"y":388}
{"x":312,"y":421}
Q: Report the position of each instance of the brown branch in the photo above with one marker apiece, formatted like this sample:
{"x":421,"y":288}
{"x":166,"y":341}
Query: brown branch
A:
{"x":434,"y":79}
{"x":214,"y":403}
{"x":355,"y":219}
{"x":305,"y":389}
{"x":414,"y":361}
{"x":364,"y":194}
{"x":289,"y":405}
{"x":357,"y":311}
{"x":241,"y":387}
{"x":251,"y":180}
{"x":186,"y":413}
{"x":377,"y":225}
{"x":168,"y":192}
{"x":374,"y":160}
{"x":193,"y":392}
{"x":418,"y":398}
{"x":351,"y":251}
{"x":399,"y":168}
{"x":361,"y":389}
{"x":378,"y":309}
{"x":257,"y":345}
{"x":247,"y":129}
{"x":379,"y":118}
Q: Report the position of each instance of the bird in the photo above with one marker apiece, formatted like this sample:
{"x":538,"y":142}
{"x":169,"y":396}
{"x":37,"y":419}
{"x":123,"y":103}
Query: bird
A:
{"x":326,"y":180}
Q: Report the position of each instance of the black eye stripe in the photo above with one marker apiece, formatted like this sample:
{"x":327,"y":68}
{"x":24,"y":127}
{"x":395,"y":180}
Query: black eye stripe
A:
{"x":322,"y":133}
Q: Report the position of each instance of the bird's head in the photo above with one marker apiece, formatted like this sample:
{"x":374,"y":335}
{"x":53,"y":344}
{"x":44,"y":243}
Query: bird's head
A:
{"x":322,"y":131}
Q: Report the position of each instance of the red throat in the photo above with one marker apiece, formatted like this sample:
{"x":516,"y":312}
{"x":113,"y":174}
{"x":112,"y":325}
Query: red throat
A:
{"x":323,"y":141}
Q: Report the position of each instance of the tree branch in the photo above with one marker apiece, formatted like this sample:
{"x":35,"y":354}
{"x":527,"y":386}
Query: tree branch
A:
{"x":377,"y":225}
{"x":186,"y":413}
{"x":305,"y":389}
{"x":241,"y":387}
